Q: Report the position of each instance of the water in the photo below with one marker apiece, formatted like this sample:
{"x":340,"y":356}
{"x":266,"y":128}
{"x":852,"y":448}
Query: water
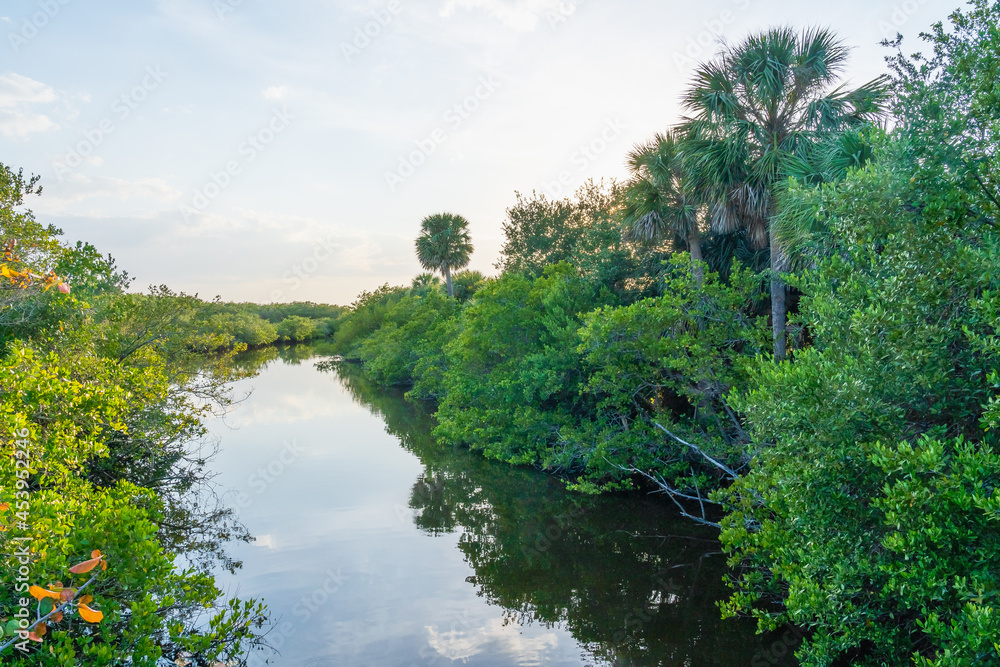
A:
{"x":377,"y":546}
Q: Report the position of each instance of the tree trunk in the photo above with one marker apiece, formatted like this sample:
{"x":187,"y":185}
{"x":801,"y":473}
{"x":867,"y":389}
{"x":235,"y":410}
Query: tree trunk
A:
{"x":778,"y":306}
{"x":694,"y":247}
{"x":447,"y":278}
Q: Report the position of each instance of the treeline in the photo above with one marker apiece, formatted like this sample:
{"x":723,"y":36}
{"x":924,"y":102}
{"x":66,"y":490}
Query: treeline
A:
{"x":249,"y":325}
{"x":787,"y":320}
{"x":110,"y":533}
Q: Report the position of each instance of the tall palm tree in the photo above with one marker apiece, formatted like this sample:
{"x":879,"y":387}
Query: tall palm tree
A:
{"x":758,"y":111}
{"x":444,"y":244}
{"x":660,"y":203}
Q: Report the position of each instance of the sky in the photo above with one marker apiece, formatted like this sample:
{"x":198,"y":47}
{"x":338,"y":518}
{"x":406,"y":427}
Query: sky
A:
{"x":287,"y":150}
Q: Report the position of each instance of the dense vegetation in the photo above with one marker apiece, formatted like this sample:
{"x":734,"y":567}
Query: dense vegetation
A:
{"x":109,"y":529}
{"x":636,"y":335}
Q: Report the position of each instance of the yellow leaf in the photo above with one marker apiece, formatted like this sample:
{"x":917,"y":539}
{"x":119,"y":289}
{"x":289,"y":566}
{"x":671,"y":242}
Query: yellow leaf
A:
{"x":85,"y":566}
{"x":90,"y":615}
{"x":40,"y":593}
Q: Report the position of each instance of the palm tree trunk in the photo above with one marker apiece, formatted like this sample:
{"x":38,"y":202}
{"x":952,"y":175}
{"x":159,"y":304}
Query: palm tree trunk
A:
{"x":779,"y":310}
{"x":694,"y":247}
{"x":447,"y":278}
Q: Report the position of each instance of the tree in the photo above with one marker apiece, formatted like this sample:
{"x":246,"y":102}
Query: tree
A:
{"x":298,"y":329}
{"x":444,"y":244}
{"x":660,"y":200}
{"x":759,"y":109}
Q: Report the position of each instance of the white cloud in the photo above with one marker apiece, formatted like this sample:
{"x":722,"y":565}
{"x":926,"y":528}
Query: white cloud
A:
{"x":507,"y":638}
{"x":275,"y":92}
{"x":18,"y":94}
{"x":520,"y":15}
{"x":17,"y":90}
{"x":14,"y":123}
{"x":79,"y":188}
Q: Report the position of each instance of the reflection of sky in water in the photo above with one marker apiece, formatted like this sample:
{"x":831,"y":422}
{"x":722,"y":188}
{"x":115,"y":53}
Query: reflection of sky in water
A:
{"x":326,"y":491}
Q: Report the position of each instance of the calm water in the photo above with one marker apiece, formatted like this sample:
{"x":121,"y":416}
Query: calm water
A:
{"x":377,"y":546}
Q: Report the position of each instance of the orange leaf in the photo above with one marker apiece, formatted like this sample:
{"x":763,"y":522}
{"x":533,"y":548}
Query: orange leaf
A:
{"x":96,"y":553}
{"x":86,"y":599}
{"x":90,"y":615}
{"x":4,"y":507}
{"x":104,"y":564}
{"x":85,"y":566}
{"x":40,"y":593}
{"x":33,"y":637}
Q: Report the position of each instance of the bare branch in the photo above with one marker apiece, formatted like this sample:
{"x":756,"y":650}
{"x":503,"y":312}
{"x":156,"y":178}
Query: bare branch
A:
{"x":715,"y":462}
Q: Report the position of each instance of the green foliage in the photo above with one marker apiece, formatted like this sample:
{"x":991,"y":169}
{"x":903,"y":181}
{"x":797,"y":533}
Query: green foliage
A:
{"x":366,"y":316}
{"x":276,"y":312}
{"x":948,"y":106}
{"x":101,"y":398}
{"x":297,"y":329}
{"x":413,"y":332}
{"x":467,"y":283}
{"x":64,"y":415}
{"x":587,"y":232}
{"x":673,"y":360}
{"x":444,"y":244}
{"x":880,"y":419}
{"x":247,"y":329}
{"x":514,"y":373}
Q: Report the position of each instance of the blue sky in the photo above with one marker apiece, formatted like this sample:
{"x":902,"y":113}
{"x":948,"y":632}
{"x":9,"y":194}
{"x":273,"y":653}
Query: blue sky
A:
{"x":264,"y":150}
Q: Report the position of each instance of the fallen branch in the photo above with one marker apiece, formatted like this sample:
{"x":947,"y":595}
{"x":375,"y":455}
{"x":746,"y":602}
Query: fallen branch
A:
{"x":718,"y":464}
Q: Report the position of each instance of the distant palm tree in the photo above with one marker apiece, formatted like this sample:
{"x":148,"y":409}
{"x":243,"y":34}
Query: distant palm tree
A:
{"x":444,"y":244}
{"x":660,"y":203}
{"x":759,"y":110}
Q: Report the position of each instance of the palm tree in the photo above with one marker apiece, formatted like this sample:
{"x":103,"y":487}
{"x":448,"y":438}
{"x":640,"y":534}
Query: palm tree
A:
{"x":444,"y":244}
{"x":660,"y":204}
{"x":758,"y":112}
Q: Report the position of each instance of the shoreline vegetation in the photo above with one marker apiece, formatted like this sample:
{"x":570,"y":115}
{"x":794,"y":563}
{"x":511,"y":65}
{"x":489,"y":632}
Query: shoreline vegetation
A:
{"x":787,"y":320}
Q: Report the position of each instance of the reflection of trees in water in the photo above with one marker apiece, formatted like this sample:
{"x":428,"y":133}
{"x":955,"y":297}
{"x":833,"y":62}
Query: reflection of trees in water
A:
{"x":630,"y":596}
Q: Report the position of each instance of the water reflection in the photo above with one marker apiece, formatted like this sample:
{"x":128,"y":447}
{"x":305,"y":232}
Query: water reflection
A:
{"x":632,"y":582}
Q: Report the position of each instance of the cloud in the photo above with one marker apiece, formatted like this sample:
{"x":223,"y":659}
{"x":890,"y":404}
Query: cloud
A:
{"x":275,"y":92}
{"x":18,"y":94}
{"x":61,"y":196}
{"x":519,"y":15}
{"x":501,"y":637}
